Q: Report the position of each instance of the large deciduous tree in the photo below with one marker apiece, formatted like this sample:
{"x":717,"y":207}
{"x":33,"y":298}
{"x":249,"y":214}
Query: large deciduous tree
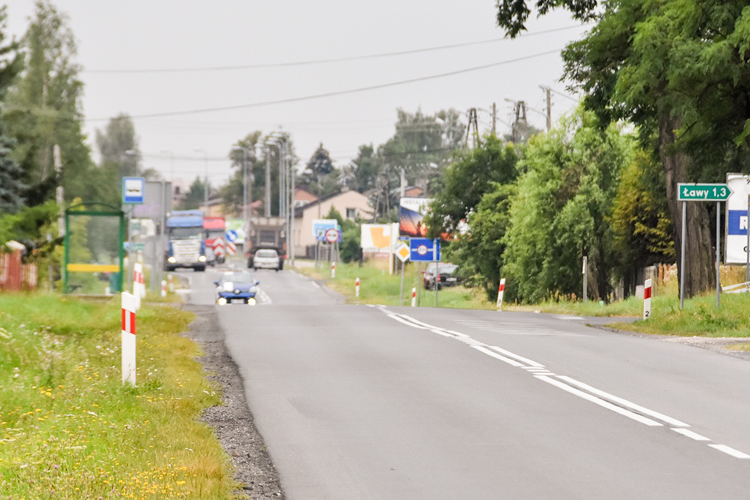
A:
{"x":679,"y":70}
{"x":561,"y":211}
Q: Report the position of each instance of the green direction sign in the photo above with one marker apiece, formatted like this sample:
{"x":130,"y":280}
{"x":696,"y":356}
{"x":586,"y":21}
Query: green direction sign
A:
{"x":703,"y":192}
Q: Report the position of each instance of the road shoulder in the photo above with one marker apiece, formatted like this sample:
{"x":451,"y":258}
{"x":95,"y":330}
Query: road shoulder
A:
{"x":233,"y":422}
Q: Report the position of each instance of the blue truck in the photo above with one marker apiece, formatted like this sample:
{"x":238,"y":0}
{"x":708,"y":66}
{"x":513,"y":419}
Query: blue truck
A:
{"x":187,"y":247}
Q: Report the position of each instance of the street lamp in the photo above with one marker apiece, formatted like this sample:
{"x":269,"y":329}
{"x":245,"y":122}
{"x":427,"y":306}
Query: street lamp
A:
{"x":205,"y":186}
{"x":244,"y":190}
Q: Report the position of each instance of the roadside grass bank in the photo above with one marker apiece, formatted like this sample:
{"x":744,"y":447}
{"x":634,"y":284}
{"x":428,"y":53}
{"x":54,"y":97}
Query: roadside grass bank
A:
{"x":69,"y":428}
{"x":699,"y":318}
{"x":378,"y":287}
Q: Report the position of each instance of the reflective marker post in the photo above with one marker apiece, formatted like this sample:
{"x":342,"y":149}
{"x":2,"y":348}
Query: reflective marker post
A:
{"x":128,"y":338}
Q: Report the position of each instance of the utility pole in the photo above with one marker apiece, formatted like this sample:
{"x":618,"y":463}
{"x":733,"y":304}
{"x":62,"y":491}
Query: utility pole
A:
{"x":548,"y":93}
{"x":494,"y":119}
{"x":472,"y":123}
{"x":268,"y":181}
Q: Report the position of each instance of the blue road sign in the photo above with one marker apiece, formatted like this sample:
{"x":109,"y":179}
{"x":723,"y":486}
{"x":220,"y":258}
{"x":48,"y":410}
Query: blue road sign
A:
{"x":133,"y":189}
{"x":424,"y":250}
{"x":231,"y":235}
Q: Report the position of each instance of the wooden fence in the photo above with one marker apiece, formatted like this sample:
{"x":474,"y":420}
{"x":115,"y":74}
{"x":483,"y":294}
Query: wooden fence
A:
{"x":15,"y":275}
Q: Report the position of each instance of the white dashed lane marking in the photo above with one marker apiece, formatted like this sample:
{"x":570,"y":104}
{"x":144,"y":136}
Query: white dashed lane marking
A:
{"x":584,"y":391}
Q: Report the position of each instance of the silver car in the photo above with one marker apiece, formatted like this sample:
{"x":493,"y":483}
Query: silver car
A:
{"x":266,"y":259}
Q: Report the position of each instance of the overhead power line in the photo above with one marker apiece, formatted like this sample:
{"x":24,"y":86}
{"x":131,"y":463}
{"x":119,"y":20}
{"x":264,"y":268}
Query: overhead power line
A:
{"x":335,"y":93}
{"x":317,"y":61}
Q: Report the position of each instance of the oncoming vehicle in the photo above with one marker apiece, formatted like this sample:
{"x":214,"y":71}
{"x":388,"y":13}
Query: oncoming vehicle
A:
{"x":447,"y":275}
{"x":234,"y":287}
{"x":267,"y":258}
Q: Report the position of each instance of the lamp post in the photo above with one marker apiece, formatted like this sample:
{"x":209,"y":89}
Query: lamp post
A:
{"x":245,"y":218}
{"x":205,"y":180}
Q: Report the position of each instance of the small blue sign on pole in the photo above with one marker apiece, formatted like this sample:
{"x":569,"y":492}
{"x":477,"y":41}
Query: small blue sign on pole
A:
{"x":231,"y":235}
{"x":132,"y":190}
{"x":424,"y":250}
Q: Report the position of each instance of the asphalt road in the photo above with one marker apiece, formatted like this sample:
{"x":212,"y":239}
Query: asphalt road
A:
{"x":400,"y":403}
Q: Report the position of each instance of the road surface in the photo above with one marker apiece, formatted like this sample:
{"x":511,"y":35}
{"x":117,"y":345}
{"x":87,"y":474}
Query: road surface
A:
{"x":400,"y":403}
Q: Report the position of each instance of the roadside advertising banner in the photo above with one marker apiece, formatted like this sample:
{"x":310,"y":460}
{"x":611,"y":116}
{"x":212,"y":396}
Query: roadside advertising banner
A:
{"x":376,"y":239}
{"x":736,"y":219}
{"x":411,"y":214}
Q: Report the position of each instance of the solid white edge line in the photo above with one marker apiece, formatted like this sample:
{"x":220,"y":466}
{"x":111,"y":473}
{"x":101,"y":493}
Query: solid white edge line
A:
{"x":315,"y":284}
{"x":516,"y":356}
{"x":407,"y":323}
{"x":729,"y":451}
{"x":625,"y":402}
{"x":497,"y":356}
{"x":600,"y":402}
{"x":691,"y":434}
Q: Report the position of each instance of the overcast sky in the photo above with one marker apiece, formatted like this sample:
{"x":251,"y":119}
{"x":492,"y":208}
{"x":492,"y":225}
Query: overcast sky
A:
{"x":175,"y":34}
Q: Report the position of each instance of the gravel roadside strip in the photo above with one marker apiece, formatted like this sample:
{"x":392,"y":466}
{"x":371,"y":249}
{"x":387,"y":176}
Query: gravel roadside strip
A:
{"x":233,"y":422}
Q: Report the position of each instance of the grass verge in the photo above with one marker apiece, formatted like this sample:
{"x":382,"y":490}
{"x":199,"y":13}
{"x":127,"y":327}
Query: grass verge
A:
{"x":699,"y":317}
{"x":378,"y":287}
{"x":69,"y":428}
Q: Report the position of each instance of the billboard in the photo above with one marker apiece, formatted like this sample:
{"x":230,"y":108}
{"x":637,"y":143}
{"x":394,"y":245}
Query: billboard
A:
{"x":411,"y":213}
{"x":735,"y":249}
{"x":376,"y":239}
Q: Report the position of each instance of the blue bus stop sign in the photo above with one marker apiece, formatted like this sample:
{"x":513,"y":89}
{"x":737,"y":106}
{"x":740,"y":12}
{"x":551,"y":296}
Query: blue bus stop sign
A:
{"x":424,"y":250}
{"x":133,"y":189}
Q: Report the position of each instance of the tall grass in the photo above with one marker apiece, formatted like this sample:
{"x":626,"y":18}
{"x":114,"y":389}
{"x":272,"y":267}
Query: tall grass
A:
{"x":69,"y":428}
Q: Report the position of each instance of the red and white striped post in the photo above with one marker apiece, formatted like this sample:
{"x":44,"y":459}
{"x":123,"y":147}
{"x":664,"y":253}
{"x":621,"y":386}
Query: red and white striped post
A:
{"x":137,"y":273}
{"x":163,"y":288}
{"x":414,"y":297}
{"x":356,"y":288}
{"x":171,"y":283}
{"x":647,"y":300}
{"x":500,"y":293}
{"x":333,"y":269}
{"x":128,"y":338}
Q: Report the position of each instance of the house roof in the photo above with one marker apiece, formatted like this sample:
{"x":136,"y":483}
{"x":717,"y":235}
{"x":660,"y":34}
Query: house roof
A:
{"x":300,"y":210}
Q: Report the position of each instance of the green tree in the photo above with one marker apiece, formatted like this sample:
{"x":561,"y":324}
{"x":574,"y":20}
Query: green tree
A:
{"x":11,"y":63}
{"x":640,"y":219}
{"x":44,"y":110}
{"x":562,"y":209}
{"x":195,"y":195}
{"x":232,"y":192}
{"x":474,"y":173}
{"x":679,"y":70}
{"x":320,"y":175}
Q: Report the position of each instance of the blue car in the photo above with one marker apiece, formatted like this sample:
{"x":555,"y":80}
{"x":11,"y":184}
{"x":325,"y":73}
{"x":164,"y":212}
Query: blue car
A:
{"x":236,"y":287}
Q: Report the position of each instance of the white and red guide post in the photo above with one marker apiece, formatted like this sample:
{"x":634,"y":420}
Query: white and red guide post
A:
{"x":500,"y":293}
{"x":647,"y":299}
{"x":356,"y":288}
{"x":414,"y":297}
{"x":128,"y":338}
{"x":333,"y":269}
{"x":163,"y":288}
{"x":137,"y":279}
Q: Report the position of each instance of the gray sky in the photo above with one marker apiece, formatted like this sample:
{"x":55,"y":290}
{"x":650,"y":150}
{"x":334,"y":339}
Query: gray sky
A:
{"x":169,"y":34}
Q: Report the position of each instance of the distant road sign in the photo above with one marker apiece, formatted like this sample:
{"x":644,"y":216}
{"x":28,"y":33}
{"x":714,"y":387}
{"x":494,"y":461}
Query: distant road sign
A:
{"x":132,"y":190}
{"x":423,"y":250}
{"x":703,"y":192}
{"x":231,"y":235}
{"x":403,"y":252}
{"x":332,"y":235}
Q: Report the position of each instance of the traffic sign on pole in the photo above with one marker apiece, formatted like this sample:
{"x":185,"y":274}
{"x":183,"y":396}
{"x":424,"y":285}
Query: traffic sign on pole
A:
{"x":422,"y":250}
{"x":403,"y":252}
{"x":703,"y":192}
